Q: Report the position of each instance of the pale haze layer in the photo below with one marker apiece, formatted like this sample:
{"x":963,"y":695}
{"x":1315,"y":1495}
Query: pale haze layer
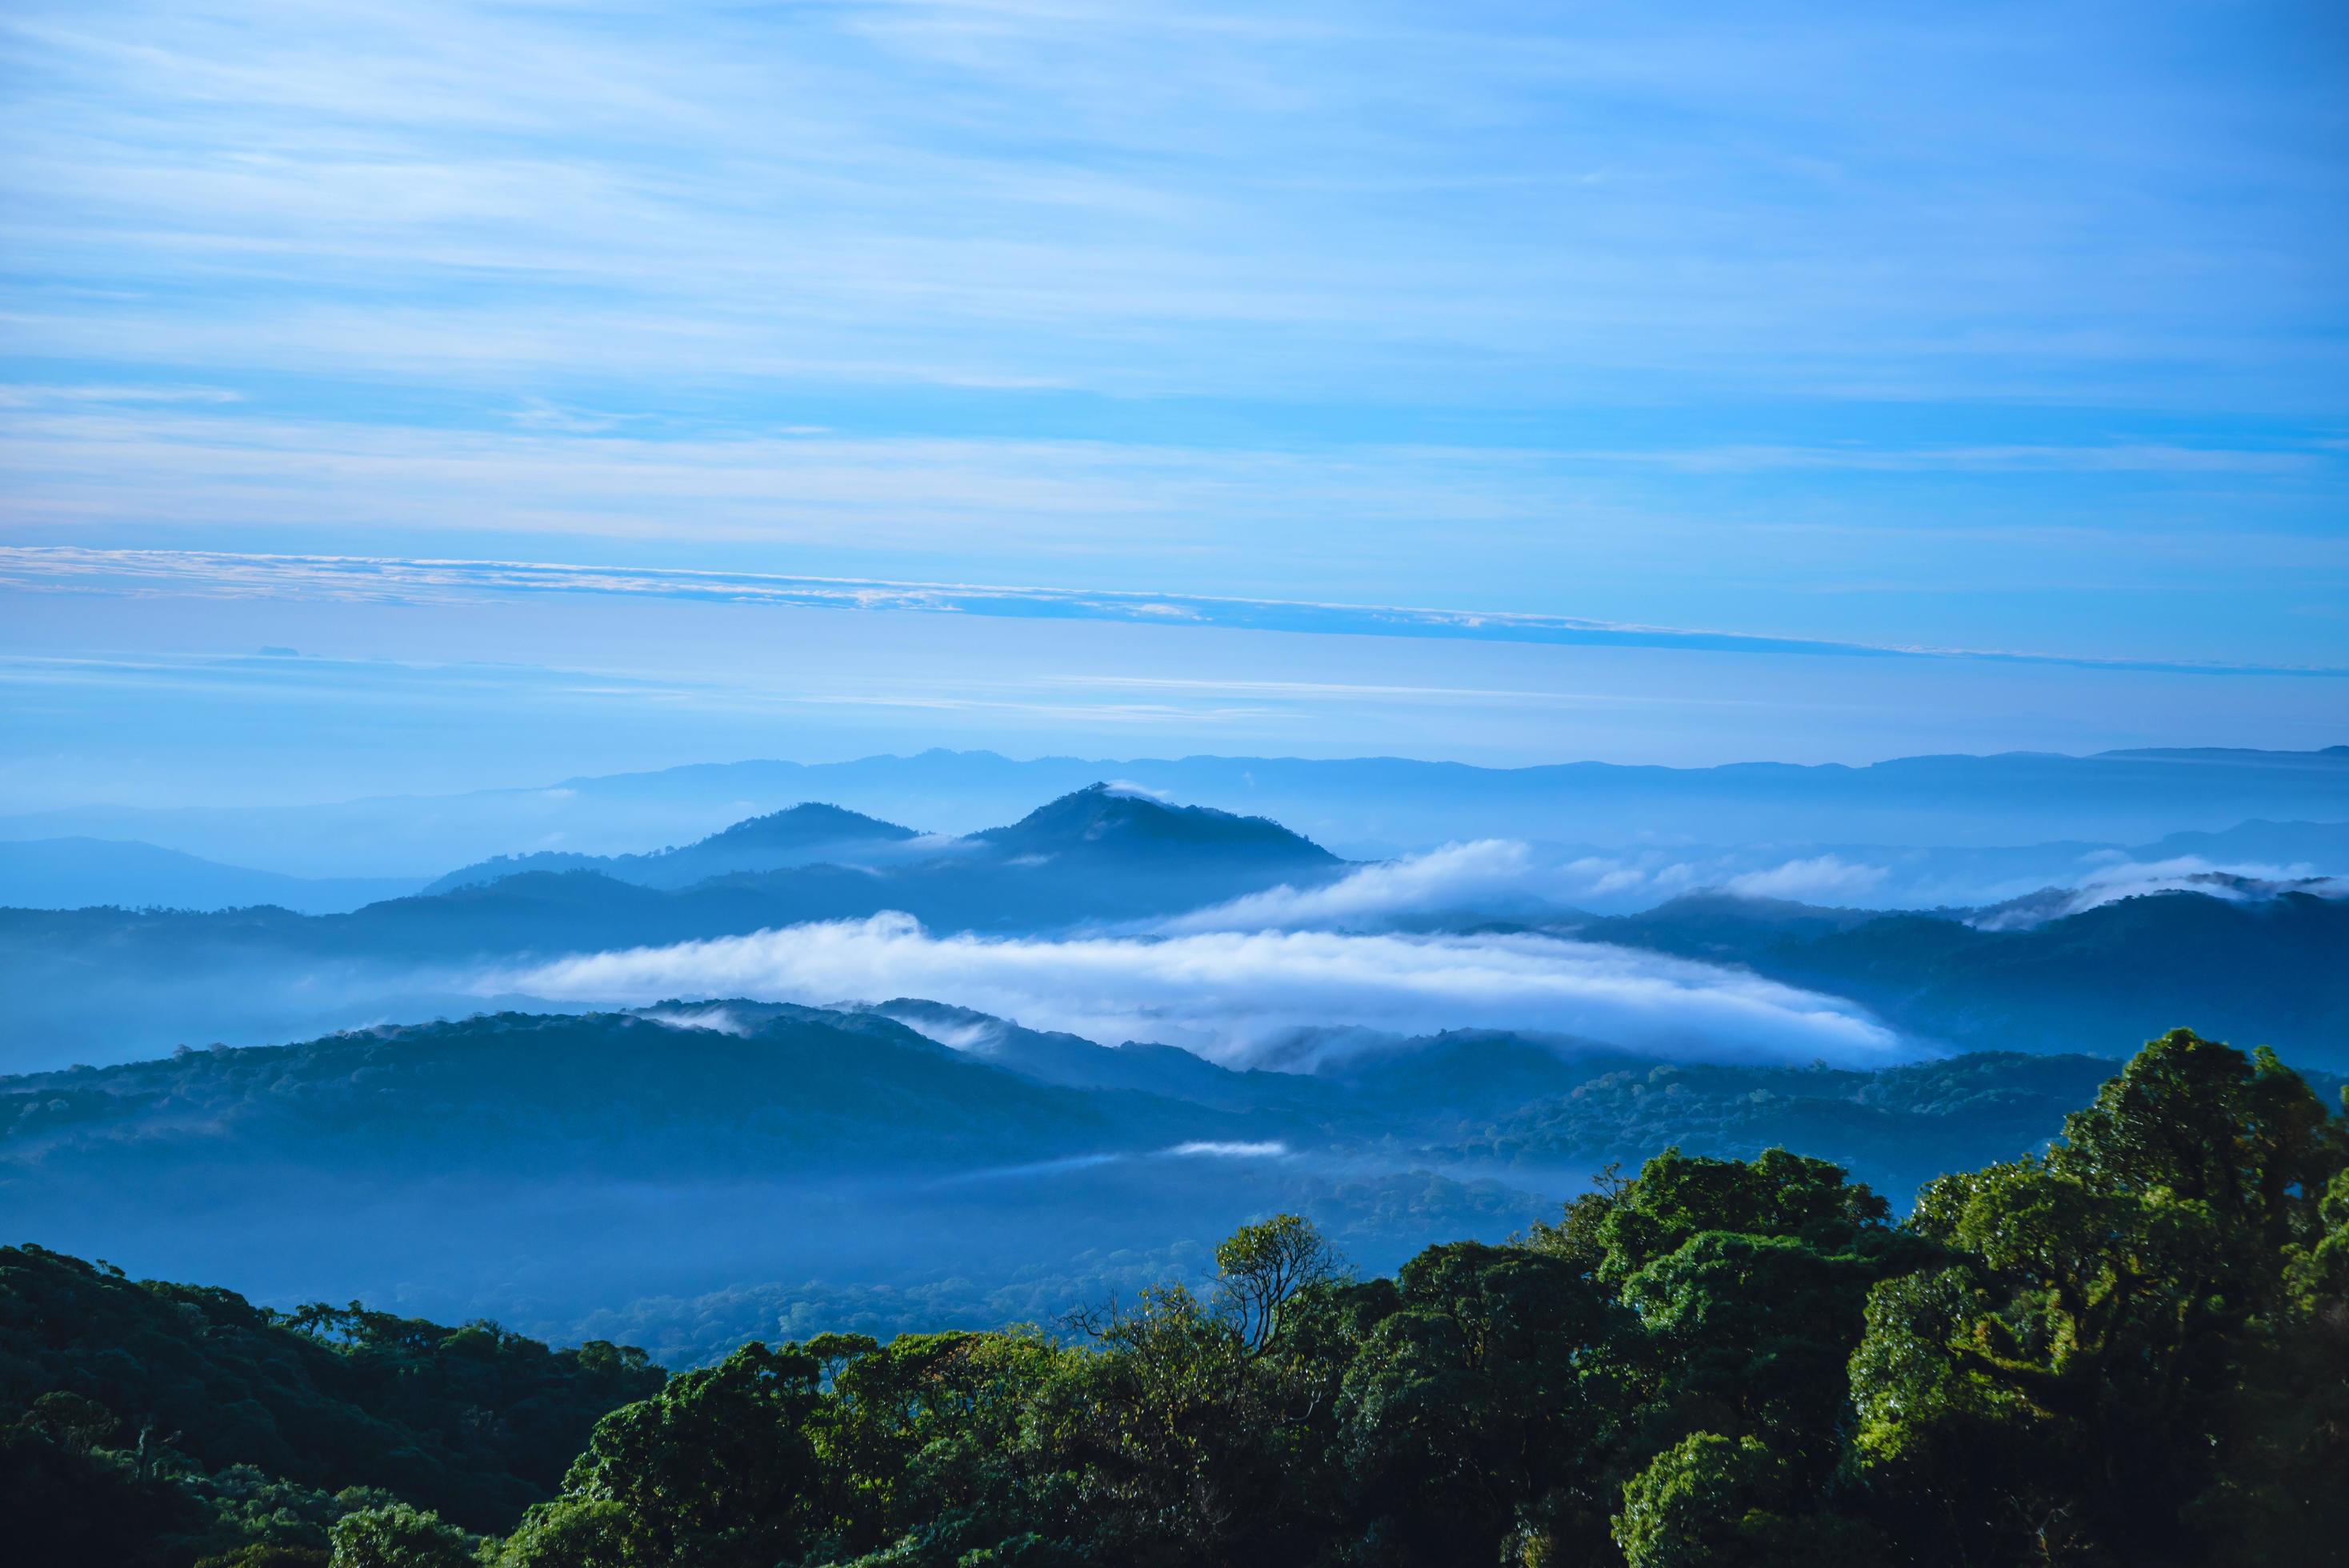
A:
{"x":228,"y":701}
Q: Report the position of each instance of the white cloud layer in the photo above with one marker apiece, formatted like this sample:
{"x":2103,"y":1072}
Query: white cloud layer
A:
{"x":2237,"y":882}
{"x":1817,"y":878}
{"x":1238,"y":996}
{"x":1502,"y":877}
{"x":1487,"y":874}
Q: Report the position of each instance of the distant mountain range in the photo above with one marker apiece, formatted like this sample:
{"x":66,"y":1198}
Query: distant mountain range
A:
{"x":703,"y":1147}
{"x":116,"y":984}
{"x":74,"y":873}
{"x":1365,"y":807}
{"x":2270,"y":972}
{"x":1095,"y":855}
{"x":805,"y":834}
{"x":1906,"y":876}
{"x":111,"y":984}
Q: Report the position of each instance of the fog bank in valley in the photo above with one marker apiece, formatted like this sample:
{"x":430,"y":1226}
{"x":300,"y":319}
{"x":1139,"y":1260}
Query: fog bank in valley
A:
{"x":1240,"y":996}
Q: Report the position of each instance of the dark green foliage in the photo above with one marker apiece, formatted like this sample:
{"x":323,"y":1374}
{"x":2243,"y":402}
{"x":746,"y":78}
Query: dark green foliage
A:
{"x":1262,"y":1268}
{"x":1900,"y":1126}
{"x":1676,"y":1197}
{"x":2135,"y":1356}
{"x":64,"y":1504}
{"x":200,"y":1414}
{"x":2134,"y":1349}
{"x":1708,"y":1502}
{"x":398,"y":1536}
{"x":718,"y":1469}
{"x":1478,"y":1399}
{"x":2081,"y":1357}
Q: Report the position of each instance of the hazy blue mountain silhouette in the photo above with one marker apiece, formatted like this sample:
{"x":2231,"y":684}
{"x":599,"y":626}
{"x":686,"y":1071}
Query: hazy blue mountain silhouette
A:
{"x":1359,"y":806}
{"x":804,"y":1146}
{"x":1070,"y":1061}
{"x":113,"y":983}
{"x":1103,"y":824}
{"x":80,"y":873}
{"x":804,"y":834}
{"x":2274,"y":971}
{"x":74,"y":873}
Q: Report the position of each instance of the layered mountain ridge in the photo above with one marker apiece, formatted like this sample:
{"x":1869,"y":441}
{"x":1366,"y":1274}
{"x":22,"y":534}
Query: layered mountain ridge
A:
{"x":647,"y":1155}
{"x":2041,"y":976}
{"x":806,"y":834}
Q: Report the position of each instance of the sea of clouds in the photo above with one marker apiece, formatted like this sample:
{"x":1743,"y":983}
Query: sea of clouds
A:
{"x":2113,"y":881}
{"x":1502,"y":877}
{"x":1243,"y":982}
{"x":1243,"y":996}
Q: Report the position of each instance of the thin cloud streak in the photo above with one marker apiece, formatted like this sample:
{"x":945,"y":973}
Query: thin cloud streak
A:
{"x":1842,"y":323}
{"x":397,"y":581}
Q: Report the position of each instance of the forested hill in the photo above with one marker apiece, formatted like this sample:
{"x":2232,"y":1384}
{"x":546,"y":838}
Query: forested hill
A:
{"x":1094,"y":855}
{"x":100,"y":984}
{"x":1111,"y":822}
{"x":260,"y":1418}
{"x":2275,"y":970}
{"x":106,"y":984}
{"x":2134,"y":1349}
{"x":729,"y":1089}
{"x":726,"y":1156}
{"x":739,"y":1089}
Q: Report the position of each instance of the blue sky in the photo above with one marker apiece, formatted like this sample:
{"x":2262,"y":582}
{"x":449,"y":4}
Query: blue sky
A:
{"x":2002,"y":328}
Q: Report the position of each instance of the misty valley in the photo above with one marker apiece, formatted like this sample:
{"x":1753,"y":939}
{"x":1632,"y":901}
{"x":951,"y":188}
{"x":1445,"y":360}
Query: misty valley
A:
{"x":1159,"y":784}
{"x":1113,"y":907}
{"x":1138,"y":1121}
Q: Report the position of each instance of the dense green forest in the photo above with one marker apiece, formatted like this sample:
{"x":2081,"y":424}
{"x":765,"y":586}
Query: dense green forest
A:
{"x":2133,"y":1348}
{"x":154,"y":1422}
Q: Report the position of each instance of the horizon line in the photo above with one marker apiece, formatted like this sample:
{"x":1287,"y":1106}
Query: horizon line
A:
{"x":8,"y":817}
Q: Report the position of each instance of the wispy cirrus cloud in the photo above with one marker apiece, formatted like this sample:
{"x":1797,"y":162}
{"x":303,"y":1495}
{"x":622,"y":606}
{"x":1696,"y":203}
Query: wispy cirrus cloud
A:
{"x":391,"y":579}
{"x":1844,"y":328}
{"x":1536,"y":544}
{"x":33,"y":396}
{"x":1285,"y":198}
